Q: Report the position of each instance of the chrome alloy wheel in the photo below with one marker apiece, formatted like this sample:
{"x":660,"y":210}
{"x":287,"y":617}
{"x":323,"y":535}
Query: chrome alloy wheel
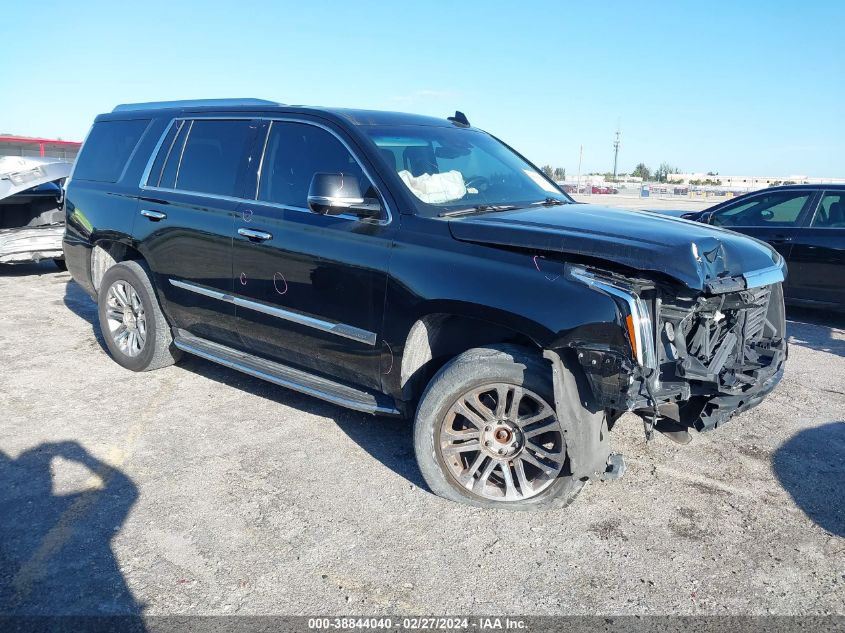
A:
{"x":126,"y":318}
{"x":502,"y":442}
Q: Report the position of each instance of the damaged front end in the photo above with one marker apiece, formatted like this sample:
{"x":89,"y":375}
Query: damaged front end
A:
{"x":696,"y":359}
{"x":31,"y":216}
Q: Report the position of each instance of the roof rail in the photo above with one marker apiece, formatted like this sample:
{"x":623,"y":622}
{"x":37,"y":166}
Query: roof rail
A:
{"x":193,"y":103}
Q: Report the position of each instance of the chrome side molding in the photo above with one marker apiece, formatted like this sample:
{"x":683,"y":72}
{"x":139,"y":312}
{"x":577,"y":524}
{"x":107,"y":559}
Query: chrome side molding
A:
{"x":338,"y":329}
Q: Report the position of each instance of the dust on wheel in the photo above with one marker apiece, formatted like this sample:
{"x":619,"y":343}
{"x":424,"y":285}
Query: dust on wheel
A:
{"x":501,"y":442}
{"x":136,"y":331}
{"x":126,"y":318}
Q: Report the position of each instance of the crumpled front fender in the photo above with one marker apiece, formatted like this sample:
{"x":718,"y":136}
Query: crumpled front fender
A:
{"x":584,"y":423}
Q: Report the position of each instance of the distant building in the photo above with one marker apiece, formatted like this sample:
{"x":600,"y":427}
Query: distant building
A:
{"x":35,"y":147}
{"x":752,"y":182}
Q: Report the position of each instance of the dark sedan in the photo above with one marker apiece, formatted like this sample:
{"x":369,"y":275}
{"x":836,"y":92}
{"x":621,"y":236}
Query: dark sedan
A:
{"x":806,"y":224}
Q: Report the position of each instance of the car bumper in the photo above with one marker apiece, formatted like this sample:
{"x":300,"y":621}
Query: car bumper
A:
{"x":31,"y":244}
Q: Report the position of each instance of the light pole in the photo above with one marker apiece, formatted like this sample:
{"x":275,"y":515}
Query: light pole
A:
{"x":580,"y":156}
{"x":616,"y":152}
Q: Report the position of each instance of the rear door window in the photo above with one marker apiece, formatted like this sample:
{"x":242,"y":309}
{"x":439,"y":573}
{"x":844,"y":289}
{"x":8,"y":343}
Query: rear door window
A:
{"x":831,"y":212}
{"x":168,"y":155}
{"x":108,"y":148}
{"x":212,"y":157}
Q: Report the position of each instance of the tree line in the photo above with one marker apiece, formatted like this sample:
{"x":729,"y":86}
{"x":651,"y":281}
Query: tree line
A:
{"x":555,"y":173}
{"x":661,"y":174}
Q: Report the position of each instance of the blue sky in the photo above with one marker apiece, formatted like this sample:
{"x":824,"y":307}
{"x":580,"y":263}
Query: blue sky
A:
{"x":736,"y":87}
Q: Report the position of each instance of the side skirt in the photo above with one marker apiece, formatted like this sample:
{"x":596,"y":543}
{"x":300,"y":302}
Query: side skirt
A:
{"x":288,"y":377}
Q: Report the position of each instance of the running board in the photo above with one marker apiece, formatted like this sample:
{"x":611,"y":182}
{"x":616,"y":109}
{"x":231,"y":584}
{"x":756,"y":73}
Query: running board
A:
{"x":284,"y":376}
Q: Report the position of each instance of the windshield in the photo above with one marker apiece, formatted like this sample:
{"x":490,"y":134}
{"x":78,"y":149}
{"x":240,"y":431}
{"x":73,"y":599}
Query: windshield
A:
{"x":457,"y":168}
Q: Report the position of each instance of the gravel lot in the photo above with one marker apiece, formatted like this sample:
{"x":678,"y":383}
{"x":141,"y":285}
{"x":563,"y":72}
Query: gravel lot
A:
{"x":197,"y":490}
{"x":648,"y":204}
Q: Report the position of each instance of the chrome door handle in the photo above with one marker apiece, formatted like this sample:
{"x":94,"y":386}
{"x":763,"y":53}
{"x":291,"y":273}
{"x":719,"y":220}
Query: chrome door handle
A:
{"x":155,"y":216}
{"x":257,"y":236}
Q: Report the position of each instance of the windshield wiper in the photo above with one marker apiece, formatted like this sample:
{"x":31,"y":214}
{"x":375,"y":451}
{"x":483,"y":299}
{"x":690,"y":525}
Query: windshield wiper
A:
{"x":550,"y":202}
{"x":481,"y":208}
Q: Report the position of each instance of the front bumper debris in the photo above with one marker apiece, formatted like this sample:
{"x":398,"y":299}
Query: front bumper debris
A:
{"x":716,"y":356}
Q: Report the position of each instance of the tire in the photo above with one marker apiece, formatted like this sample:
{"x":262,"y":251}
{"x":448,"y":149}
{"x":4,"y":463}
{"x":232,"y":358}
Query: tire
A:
{"x":152,"y":346}
{"x":483,"y":377}
{"x":60,"y":263}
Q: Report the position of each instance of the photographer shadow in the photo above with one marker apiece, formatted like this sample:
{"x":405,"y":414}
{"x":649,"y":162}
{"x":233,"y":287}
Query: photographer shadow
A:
{"x":55,"y":548}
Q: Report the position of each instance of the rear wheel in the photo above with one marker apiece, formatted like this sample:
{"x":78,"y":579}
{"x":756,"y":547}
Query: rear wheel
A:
{"x":133,"y":325}
{"x":487,"y":434}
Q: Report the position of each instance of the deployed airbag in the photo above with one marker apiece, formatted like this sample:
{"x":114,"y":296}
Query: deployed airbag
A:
{"x":435,"y":188}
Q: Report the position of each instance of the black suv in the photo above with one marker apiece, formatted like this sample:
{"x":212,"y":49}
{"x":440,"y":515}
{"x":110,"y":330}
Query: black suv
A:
{"x":412,"y":266}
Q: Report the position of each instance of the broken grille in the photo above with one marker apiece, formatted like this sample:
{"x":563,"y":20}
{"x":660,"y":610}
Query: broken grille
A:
{"x":755,"y":316}
{"x":719,"y":339}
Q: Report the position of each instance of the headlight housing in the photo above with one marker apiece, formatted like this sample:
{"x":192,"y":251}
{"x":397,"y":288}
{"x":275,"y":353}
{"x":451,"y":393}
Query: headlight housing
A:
{"x":634,"y":310}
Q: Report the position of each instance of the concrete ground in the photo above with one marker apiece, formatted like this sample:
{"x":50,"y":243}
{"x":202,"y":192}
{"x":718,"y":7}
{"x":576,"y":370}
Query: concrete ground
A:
{"x":648,"y":204}
{"x":197,"y":490}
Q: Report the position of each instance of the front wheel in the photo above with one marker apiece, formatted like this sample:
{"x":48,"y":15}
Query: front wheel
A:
{"x":487,"y":434}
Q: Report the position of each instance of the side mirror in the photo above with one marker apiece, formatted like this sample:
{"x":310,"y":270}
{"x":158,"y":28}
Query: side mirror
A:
{"x":334,"y":194}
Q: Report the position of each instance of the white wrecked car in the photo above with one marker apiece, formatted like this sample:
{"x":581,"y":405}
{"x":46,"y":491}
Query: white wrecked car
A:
{"x":31,"y":217}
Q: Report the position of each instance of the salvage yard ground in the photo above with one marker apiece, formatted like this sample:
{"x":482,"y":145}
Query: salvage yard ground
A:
{"x":652,"y":203}
{"x":198,"y":490}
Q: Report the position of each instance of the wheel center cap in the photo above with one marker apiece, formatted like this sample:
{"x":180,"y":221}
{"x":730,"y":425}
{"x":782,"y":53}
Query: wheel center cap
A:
{"x":502,"y":439}
{"x":502,"y":435}
{"x":128,"y":319}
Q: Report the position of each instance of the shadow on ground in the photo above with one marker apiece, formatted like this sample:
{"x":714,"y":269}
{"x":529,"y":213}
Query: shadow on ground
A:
{"x":44,"y":267}
{"x":811,"y":467}
{"x":77,"y":301}
{"x":816,"y":330}
{"x":55,"y":547}
{"x":388,"y":440}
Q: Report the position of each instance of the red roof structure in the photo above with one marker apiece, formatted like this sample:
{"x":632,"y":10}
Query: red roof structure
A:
{"x":15,"y":146}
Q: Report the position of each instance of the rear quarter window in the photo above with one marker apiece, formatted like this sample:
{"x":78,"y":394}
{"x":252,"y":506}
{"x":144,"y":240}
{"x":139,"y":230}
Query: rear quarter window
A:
{"x":108,"y":148}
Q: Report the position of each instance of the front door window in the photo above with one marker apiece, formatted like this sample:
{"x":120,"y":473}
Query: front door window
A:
{"x":776,"y":209}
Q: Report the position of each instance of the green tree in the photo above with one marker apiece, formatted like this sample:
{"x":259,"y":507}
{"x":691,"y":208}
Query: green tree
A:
{"x":547,"y":169}
{"x":641,"y":171}
{"x":662,"y":172}
{"x":560,"y":173}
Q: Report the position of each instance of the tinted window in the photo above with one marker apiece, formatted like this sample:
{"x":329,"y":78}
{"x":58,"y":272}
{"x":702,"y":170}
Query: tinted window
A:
{"x":107,"y":149}
{"x":174,"y":155}
{"x":780,"y":208}
{"x":295,"y":152}
{"x":164,"y":153}
{"x":831,"y":212}
{"x":213,"y":154}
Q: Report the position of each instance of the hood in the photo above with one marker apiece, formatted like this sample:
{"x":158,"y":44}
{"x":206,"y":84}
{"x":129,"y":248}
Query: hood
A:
{"x":19,"y":174}
{"x":689,"y":252}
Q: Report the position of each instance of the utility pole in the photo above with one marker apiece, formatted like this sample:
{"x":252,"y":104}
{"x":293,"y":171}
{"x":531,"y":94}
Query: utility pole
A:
{"x":580,"y":156}
{"x":616,"y":152}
